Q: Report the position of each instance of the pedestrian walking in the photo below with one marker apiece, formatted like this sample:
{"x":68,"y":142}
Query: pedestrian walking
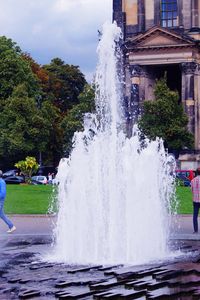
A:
{"x":195,"y":185}
{"x":2,"y":200}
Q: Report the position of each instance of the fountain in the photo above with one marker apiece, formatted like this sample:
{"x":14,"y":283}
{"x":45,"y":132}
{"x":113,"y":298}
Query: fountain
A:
{"x":114,"y":193}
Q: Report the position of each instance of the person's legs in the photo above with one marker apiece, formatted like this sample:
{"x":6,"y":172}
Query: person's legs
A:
{"x":196,"y":206}
{"x":3,"y":216}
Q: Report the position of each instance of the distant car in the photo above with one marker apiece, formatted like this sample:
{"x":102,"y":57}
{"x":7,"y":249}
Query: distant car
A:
{"x":40,"y":178}
{"x":35,"y":182}
{"x":9,"y":173}
{"x":182,"y":180}
{"x":190,"y":174}
{"x":14,"y":179}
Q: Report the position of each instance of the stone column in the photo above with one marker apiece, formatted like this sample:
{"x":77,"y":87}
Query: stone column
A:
{"x":157,"y":12}
{"x":186,"y":9}
{"x":144,"y":78}
{"x":197,"y":109}
{"x":141,"y":16}
{"x":195,"y":13}
{"x":135,"y":99}
{"x":132,"y":101}
{"x":180,"y":13}
{"x":188,"y":99}
{"x":119,"y":15}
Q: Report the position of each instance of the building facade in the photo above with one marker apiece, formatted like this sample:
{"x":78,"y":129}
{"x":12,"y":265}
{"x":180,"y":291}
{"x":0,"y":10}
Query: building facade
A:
{"x":162,"y":37}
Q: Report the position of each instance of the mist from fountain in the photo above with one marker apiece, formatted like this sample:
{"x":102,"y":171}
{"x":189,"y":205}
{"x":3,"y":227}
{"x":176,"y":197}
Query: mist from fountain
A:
{"x":114,"y":194}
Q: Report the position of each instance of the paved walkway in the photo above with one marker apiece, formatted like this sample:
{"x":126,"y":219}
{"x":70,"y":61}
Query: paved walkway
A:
{"x":44,"y":224}
{"x":182,"y":228}
{"x":30,"y":225}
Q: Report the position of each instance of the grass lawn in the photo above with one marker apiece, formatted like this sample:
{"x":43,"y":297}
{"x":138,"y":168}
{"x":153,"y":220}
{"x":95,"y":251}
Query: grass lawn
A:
{"x":28,"y":199}
{"x":184,"y":197}
{"x":37,"y":199}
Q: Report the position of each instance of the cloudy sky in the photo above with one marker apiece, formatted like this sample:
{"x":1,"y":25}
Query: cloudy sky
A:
{"x":56,"y":28}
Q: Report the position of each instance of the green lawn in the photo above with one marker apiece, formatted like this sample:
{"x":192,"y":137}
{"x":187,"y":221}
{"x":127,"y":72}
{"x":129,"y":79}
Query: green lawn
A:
{"x":37,"y":199}
{"x":28,"y":199}
{"x":184,"y":197}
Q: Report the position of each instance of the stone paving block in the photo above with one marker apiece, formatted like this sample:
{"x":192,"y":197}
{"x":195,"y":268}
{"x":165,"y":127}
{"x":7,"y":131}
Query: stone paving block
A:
{"x":185,"y":281}
{"x":64,"y":284}
{"x":29,"y":294}
{"x":110,"y":295}
{"x":149,"y":272}
{"x":14,"y":280}
{"x":47,"y":279}
{"x":84,"y":269}
{"x":156,"y":285}
{"x":109,"y":267}
{"x":107,"y":284}
{"x":104,"y":285}
{"x":133,"y":283}
{"x":136,"y":271}
{"x":196,"y":294}
{"x":7,"y":290}
{"x":77,"y":282}
{"x":168,"y":274}
{"x":132,"y":294}
{"x":170,"y":293}
{"x":120,"y":294}
{"x":186,"y":247}
{"x":100,"y":295}
{"x":78,"y":295}
{"x":23,"y":281}
{"x":41,"y":266}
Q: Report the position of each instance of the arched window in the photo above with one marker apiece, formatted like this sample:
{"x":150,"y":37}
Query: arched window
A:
{"x":169,"y":13}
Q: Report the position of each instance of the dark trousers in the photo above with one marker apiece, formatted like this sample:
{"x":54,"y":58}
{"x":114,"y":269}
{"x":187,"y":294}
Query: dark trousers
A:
{"x":196,"y":206}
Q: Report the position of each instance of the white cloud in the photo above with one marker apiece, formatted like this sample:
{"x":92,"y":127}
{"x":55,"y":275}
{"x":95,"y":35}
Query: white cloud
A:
{"x":50,"y":28}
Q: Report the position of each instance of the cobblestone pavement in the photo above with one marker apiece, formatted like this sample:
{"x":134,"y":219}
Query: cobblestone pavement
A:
{"x":24,"y":275}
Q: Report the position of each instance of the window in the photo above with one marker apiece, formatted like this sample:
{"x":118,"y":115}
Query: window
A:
{"x":169,"y":13}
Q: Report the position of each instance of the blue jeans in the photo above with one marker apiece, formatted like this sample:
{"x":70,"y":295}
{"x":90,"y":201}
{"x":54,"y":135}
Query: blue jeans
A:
{"x":3,"y":216}
{"x":196,"y":206}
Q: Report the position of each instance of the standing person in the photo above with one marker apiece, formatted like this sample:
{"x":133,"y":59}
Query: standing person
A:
{"x":50,"y":178}
{"x":2,"y":199}
{"x":195,"y":184}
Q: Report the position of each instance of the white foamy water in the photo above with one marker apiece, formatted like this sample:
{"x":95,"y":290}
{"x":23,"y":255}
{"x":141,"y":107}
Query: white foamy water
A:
{"x":113,"y":194}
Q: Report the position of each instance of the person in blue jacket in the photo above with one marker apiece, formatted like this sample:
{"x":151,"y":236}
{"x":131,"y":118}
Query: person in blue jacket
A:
{"x":2,"y":200}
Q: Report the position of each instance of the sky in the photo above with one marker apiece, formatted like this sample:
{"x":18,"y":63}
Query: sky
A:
{"x":46,"y":29}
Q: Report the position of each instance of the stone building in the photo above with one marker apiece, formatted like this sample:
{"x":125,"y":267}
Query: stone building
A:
{"x":163,"y":37}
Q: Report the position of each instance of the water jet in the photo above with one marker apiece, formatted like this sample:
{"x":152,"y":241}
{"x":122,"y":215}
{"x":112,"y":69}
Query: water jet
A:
{"x":114,"y":194}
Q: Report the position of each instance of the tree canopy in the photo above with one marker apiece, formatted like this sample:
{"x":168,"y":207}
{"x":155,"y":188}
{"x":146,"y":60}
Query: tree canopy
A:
{"x":165,"y":118}
{"x":66,"y":82}
{"x":24,"y":129}
{"x":40,"y":106}
{"x":14,"y":70}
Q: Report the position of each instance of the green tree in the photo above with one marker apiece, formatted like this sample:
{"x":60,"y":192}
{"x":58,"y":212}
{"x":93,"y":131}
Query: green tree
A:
{"x":165,"y":118}
{"x":28,"y":167}
{"x":24,"y":129}
{"x":66,"y":82}
{"x":53,"y":119}
{"x":41,"y":75}
{"x":14,"y":70}
{"x":74,"y":119}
